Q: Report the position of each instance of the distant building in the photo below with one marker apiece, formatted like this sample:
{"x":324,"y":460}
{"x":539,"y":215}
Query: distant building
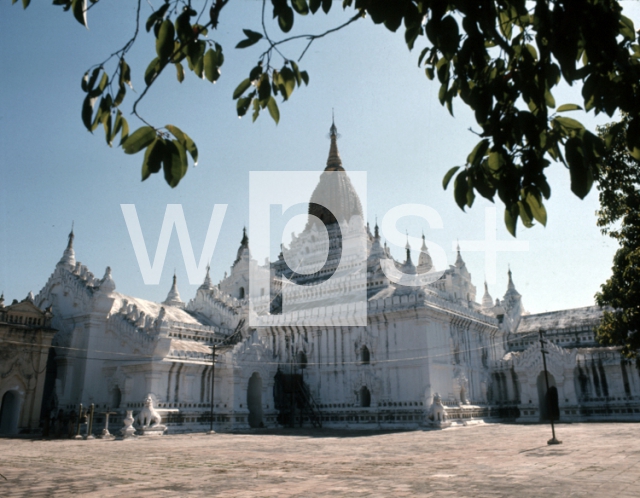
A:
{"x":428,"y":347}
{"x":25,"y":340}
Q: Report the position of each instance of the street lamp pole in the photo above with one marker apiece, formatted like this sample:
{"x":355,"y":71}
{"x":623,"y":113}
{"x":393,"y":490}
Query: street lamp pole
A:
{"x":553,"y":439}
{"x":213,"y":381}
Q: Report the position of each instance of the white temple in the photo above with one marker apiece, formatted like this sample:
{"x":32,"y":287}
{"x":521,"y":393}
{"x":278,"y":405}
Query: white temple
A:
{"x":430,"y":340}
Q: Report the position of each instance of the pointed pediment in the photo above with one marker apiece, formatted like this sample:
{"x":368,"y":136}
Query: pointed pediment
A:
{"x":25,"y":306}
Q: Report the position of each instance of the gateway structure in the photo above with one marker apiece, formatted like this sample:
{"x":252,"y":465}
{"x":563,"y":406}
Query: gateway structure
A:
{"x":424,"y":337}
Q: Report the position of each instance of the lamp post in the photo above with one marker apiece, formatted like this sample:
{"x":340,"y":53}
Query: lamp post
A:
{"x":213,"y":382}
{"x":553,"y":439}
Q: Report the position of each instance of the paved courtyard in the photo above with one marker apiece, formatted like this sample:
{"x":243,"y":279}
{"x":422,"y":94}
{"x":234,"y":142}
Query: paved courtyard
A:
{"x":483,"y":461}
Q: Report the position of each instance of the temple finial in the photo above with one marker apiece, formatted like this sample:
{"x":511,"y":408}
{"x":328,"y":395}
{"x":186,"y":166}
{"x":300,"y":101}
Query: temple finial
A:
{"x":69,"y":257}
{"x":334,"y":163}
{"x":459,"y":260}
{"x":207,"y":279}
{"x":173,"y":298}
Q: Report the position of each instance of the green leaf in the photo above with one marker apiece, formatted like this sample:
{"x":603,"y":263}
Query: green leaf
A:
{"x":120,"y":96}
{"x":87,"y":111}
{"x":117,"y":125}
{"x":253,"y":37}
{"x":326,"y":6}
{"x":152,"y":71}
{"x":183,"y":27}
{"x":125,"y":131}
{"x":186,"y":142}
{"x":581,"y":175}
{"x":195,"y":52}
{"x":241,"y":88}
{"x":471,"y":195}
{"x":548,"y":98}
{"x":305,"y":77}
{"x":198,"y":67}
{"x":448,"y":176}
{"x":506,"y":23}
{"x":139,"y":139}
{"x":153,"y":157}
{"x":511,"y":220}
{"x":247,"y":42}
{"x":264,"y":89}
{"x":460,"y":189}
{"x":296,"y":72}
{"x":96,"y":91}
{"x":568,"y":107}
{"x":626,"y":28}
{"x":314,"y":5}
{"x":174,"y":162}
{"x":25,"y":3}
{"x":495,"y":161}
{"x":537,"y":208}
{"x":289,"y":84}
{"x":179,"y":72}
{"x":211,"y":71}
{"x":478,"y":152}
{"x":285,"y":19}
{"x":570,"y":123}
{"x":256,"y":109}
{"x":156,"y":16}
{"x":429,"y":72}
{"x":255,"y":73}
{"x":243,"y":104}
{"x":88,"y":83}
{"x":273,"y":109}
{"x":107,"y":123}
{"x":125,"y":73}
{"x":300,"y":7}
{"x":524,"y":215}
{"x":164,"y":43}
{"x":79,"y":9}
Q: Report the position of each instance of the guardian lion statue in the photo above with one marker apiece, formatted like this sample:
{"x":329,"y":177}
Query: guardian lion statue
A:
{"x":437,"y":411}
{"x":148,"y":416}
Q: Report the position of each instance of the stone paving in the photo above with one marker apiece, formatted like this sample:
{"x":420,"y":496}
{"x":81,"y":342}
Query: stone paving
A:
{"x":491,"y":460}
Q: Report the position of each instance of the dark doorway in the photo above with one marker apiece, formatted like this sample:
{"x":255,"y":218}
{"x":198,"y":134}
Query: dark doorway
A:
{"x":116,"y":397}
{"x":301,"y":359}
{"x":365,"y":355}
{"x":9,"y":413}
{"x":548,"y":400}
{"x":254,"y":401}
{"x":365,"y":397}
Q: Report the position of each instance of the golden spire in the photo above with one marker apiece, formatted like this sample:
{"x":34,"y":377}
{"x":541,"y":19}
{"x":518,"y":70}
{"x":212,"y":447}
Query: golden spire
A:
{"x":334,"y":163}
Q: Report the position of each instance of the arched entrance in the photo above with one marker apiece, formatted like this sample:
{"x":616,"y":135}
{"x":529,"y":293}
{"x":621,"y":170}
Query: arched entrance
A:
{"x":9,"y":413}
{"x":548,"y":401}
{"x":365,"y":397}
{"x":254,"y":401}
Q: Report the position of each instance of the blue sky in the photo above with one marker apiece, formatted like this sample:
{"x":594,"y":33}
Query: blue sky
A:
{"x":52,"y":171}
